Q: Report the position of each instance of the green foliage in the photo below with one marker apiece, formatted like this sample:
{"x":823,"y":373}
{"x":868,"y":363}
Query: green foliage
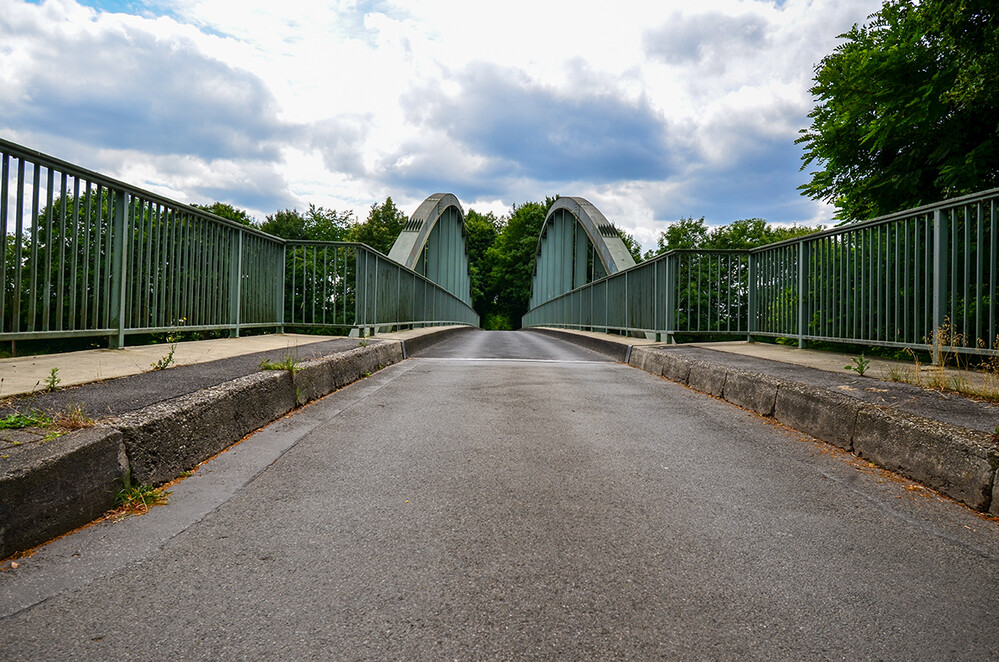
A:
{"x":225,"y":210}
{"x":632,"y":245}
{"x":382,"y":227}
{"x":860,"y":365}
{"x":137,"y":498}
{"x":166,"y":360}
{"x":16,"y":421}
{"x":510,"y":261}
{"x":289,"y":363}
{"x":907,"y":109}
{"x":690,"y":233}
{"x":316,"y":224}
{"x":481,"y":232}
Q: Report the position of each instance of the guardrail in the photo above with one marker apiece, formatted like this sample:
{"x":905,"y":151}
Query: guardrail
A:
{"x":923,"y":278}
{"x":88,"y":255}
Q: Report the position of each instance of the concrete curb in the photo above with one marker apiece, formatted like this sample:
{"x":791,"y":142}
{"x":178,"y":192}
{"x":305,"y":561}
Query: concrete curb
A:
{"x":958,"y":462}
{"x":56,"y":486}
{"x":59,"y":485}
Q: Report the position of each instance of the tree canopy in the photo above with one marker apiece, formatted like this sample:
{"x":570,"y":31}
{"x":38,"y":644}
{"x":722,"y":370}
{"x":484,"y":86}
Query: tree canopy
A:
{"x":316,"y":224}
{"x":225,"y":210}
{"x":907,"y":109}
{"x":690,"y":233}
{"x":382,"y":227}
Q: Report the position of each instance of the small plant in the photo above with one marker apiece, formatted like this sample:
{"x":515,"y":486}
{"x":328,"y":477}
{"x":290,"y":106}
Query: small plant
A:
{"x":166,"y":360}
{"x":363,"y":342}
{"x":995,"y":436}
{"x":52,"y":381}
{"x":74,"y":418}
{"x":289,"y":363}
{"x":135,"y":498}
{"x":172,"y":338}
{"x":860,"y":365}
{"x":16,"y":421}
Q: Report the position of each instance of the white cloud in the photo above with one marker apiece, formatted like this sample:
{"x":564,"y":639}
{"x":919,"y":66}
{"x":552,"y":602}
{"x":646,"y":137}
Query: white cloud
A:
{"x":654,"y":110}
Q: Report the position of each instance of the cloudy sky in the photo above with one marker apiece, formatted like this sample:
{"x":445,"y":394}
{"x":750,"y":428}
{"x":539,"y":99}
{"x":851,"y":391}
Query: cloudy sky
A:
{"x":652,"y":110}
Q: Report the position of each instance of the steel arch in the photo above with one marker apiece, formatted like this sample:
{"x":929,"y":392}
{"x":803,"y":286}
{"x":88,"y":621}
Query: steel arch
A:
{"x":433,"y":243}
{"x":567,"y":258}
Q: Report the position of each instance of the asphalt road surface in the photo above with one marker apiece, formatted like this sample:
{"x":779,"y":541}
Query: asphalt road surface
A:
{"x":509,"y":496}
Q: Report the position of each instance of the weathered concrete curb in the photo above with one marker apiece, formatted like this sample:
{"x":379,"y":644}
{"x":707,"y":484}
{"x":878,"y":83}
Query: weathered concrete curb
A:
{"x":958,"y":462}
{"x":59,"y":485}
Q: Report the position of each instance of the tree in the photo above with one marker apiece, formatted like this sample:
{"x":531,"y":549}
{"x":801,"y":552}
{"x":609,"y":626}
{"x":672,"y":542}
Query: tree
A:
{"x":688,"y":233}
{"x":323,"y":224}
{"x":907,"y":109}
{"x":481,"y":231}
{"x":316,"y":224}
{"x":287,"y":224}
{"x":511,"y":263}
{"x":225,"y":210}
{"x":382,"y":227}
{"x":632,"y":245}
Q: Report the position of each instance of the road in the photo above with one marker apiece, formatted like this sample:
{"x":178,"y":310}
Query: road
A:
{"x":504,"y":495}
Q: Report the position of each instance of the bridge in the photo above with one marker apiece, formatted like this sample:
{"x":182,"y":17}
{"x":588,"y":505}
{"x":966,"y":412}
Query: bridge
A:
{"x":510,"y":494}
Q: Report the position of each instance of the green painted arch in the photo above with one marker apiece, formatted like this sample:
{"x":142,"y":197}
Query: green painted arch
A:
{"x":433,"y":243}
{"x":577,"y":245}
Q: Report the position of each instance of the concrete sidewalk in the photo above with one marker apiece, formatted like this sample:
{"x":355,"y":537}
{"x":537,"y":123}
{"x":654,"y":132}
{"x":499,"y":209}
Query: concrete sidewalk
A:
{"x":25,"y":374}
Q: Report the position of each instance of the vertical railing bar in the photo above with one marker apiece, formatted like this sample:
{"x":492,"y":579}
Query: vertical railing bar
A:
{"x":49,"y":215}
{"x":4,"y":192}
{"x":979,"y":273}
{"x":965,"y":286}
{"x":993,"y":338}
{"x":33,"y":289}
{"x":60,"y":301}
{"x":74,"y":283}
{"x":18,"y":248}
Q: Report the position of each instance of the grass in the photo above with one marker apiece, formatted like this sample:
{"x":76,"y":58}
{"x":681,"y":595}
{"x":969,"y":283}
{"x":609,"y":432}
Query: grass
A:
{"x":17,"y":420}
{"x":953,"y":370}
{"x":74,"y":418}
{"x":289,"y":363}
{"x":136,"y":498}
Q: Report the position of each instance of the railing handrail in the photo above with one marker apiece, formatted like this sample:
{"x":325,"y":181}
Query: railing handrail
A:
{"x":49,"y":161}
{"x":853,"y":226}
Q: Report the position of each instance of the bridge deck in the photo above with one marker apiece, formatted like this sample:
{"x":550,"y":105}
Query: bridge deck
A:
{"x":491,"y":502}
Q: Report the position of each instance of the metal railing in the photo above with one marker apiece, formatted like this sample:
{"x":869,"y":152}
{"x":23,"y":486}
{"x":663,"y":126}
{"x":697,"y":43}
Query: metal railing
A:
{"x":922,"y":278}
{"x":350,"y":285}
{"x":87,"y":255}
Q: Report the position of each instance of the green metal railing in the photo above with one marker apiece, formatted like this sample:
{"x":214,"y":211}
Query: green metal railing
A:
{"x":87,"y":255}
{"x":921,"y":278}
{"x":349,"y":285}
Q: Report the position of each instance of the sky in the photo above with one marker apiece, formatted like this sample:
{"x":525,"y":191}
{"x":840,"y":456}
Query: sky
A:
{"x":652,"y":110}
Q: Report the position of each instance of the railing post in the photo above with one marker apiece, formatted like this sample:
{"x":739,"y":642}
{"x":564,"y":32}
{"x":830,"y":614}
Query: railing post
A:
{"x":670,"y":321}
{"x":235,"y":283}
{"x":655,"y":303}
{"x":119,"y":258}
{"x":753,"y":298}
{"x":802,"y":284}
{"x":941,"y":271}
{"x":281,"y":283}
